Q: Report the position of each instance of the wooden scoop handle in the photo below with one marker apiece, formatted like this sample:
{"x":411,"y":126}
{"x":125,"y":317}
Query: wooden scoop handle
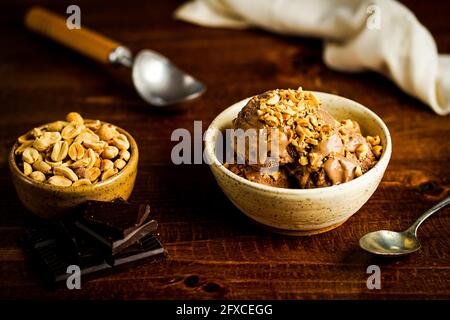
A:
{"x":83,"y":40}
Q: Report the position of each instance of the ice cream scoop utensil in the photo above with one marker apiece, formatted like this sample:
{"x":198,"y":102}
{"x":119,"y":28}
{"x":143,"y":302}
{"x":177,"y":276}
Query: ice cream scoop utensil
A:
{"x":157,"y":80}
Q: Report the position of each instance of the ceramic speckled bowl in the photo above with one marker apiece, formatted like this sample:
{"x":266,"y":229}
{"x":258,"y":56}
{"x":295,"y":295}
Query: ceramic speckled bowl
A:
{"x":49,"y":202}
{"x":302,"y":211}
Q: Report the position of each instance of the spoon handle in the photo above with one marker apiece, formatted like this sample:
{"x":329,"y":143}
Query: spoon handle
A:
{"x":426,"y":214}
{"x":83,"y":40}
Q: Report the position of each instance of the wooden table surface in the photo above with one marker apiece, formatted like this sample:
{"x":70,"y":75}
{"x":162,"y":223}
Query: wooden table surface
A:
{"x":215,"y":252}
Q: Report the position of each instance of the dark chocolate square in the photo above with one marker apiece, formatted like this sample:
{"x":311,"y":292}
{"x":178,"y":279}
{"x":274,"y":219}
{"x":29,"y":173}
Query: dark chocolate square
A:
{"x":118,"y":218}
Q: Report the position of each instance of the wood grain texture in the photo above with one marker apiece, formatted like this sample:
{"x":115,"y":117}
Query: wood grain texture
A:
{"x":215,"y":252}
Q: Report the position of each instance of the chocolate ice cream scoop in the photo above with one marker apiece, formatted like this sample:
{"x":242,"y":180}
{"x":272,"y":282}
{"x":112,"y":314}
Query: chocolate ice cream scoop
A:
{"x":310,"y":144}
{"x":248,"y":120}
{"x":276,"y":111}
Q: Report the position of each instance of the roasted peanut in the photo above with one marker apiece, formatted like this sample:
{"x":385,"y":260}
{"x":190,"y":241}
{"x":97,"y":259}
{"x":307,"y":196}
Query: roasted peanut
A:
{"x":110,"y":152}
{"x":121,"y":142}
{"x":358,"y":171}
{"x":314,"y":159}
{"x":22,"y":147}
{"x":312,"y":141}
{"x":343,"y":131}
{"x":36,"y":132}
{"x":303,"y":160}
{"x":42,"y":166}
{"x":308,"y":133}
{"x":313,"y":120}
{"x":94,"y":125}
{"x":325,"y":128}
{"x":377,"y":150}
{"x":97,"y":146}
{"x":66,"y":172}
{"x":271,"y":121}
{"x":30,"y":155}
{"x":80,"y":172}
{"x":89,"y":131}
{"x":38,"y":176}
{"x":67,"y":163}
{"x":92,"y":173}
{"x":86,"y":136}
{"x":59,"y":151}
{"x":373,"y":140}
{"x":59,"y":181}
{"x":106,"y":164}
{"x":361,"y":151}
{"x":53,"y":137}
{"x":25,"y":138}
{"x":97,"y":162}
{"x":27,"y":169}
{"x":80,"y":163}
{"x":303,"y":122}
{"x":348,"y":123}
{"x":54,"y":164}
{"x":107,"y":132}
{"x":92,"y":156}
{"x":56,"y":126}
{"x":74,"y":117}
{"x":71,"y":130}
{"x":120,"y":164}
{"x":46,"y":140}
{"x":273,"y":100}
{"x":299,"y":131}
{"x":76,"y":151}
{"x":125,"y":155}
{"x":109,"y":173}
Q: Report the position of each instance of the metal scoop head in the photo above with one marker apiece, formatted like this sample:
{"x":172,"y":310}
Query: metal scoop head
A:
{"x":159,"y":82}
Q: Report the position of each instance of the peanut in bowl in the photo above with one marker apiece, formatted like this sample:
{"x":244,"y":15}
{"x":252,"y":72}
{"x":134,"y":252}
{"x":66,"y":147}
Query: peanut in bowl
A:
{"x":55,"y":192}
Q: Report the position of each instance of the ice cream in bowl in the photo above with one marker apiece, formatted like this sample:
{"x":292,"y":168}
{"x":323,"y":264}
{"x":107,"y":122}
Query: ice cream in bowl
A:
{"x":307,"y":161}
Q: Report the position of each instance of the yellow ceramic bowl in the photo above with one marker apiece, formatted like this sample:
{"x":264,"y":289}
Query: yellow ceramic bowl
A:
{"x":302,"y":211}
{"x":49,"y":201}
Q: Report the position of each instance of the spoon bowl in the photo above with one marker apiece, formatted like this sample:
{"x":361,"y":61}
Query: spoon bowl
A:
{"x":160,"y":82}
{"x":390,"y":243}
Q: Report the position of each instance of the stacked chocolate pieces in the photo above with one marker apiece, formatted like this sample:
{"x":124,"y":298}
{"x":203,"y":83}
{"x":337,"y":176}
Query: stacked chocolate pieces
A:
{"x":101,"y":237}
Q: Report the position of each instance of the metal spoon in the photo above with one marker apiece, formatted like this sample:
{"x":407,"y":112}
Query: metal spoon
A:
{"x":157,"y":80}
{"x":391,"y":243}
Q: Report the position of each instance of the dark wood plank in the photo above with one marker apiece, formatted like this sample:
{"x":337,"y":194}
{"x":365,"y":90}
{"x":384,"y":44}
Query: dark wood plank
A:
{"x":215,"y":252}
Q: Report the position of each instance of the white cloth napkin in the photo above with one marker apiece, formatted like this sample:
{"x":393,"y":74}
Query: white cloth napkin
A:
{"x":379,"y":35}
